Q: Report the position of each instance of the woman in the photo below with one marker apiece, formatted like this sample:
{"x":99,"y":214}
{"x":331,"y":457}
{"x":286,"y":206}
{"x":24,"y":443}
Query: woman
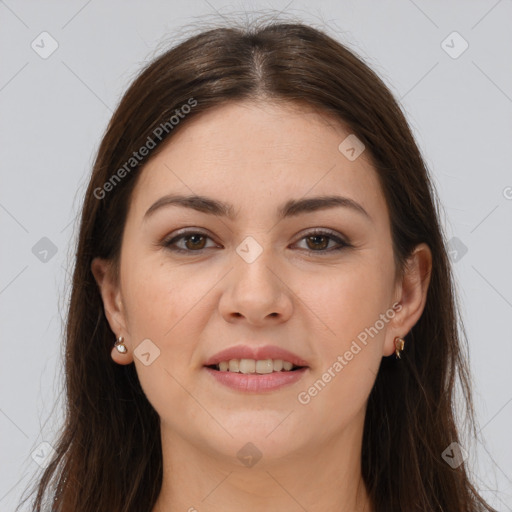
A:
{"x":262,"y":314}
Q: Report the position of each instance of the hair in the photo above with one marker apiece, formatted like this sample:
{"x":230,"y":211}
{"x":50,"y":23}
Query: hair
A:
{"x":108,"y":454}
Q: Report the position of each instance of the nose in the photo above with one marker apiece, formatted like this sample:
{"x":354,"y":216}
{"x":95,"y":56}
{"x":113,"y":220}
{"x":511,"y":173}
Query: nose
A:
{"x":256,"y":293}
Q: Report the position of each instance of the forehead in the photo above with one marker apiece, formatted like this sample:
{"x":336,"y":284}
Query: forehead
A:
{"x":248,"y":153}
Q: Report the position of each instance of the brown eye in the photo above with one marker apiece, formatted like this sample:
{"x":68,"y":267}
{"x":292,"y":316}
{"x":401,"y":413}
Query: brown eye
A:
{"x":192,"y":241}
{"x":195,"y":241}
{"x":317,"y":242}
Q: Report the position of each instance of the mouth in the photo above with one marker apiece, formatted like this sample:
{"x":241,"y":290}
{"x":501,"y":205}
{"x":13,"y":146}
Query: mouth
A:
{"x":255,"y":366}
{"x":256,"y":369}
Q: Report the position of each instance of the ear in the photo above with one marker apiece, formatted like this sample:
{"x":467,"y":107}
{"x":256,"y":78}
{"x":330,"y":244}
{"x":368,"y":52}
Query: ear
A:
{"x":411,"y":294}
{"x":110,"y":291}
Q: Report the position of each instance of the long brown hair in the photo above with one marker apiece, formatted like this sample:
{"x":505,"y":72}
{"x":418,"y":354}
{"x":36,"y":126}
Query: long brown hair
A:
{"x":108,"y":456}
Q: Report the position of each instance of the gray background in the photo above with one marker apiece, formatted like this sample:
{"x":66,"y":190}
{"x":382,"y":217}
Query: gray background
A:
{"x":54,"y":111}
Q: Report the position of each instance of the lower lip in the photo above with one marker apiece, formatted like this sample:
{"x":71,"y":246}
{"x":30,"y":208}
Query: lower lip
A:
{"x":257,"y":382}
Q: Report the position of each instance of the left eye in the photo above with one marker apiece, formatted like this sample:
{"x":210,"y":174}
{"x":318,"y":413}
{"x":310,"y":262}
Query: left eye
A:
{"x":316,"y":241}
{"x":194,"y":241}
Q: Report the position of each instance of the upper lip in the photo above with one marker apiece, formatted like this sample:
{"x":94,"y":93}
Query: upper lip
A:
{"x":257,"y":353}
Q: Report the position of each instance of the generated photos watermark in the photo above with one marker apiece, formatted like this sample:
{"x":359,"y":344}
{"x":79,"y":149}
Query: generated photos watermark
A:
{"x":304,"y":397}
{"x":158,"y":133}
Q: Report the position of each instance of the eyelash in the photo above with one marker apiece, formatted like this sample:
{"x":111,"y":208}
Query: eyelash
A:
{"x":168,"y":243}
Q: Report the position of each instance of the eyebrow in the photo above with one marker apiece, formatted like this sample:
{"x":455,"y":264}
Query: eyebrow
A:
{"x":291,"y":208}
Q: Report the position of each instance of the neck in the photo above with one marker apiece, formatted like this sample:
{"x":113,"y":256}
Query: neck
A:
{"x":324,"y":477}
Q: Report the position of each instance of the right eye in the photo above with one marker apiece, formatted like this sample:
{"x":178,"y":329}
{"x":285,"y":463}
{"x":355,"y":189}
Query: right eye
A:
{"x":193,"y":241}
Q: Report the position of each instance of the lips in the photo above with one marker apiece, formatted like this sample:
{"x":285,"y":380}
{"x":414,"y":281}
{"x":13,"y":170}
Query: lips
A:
{"x":256,"y":353}
{"x":246,"y":368}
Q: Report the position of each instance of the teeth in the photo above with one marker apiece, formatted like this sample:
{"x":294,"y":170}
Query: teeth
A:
{"x":265,"y":366}
{"x":260,"y":366}
{"x":247,"y":365}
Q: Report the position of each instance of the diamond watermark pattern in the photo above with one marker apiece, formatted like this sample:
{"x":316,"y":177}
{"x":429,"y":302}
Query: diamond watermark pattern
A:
{"x":44,"y":45}
{"x":44,"y":250}
{"x":454,"y":45}
{"x":146,"y":352}
{"x":249,"y":455}
{"x":351,"y":147}
{"x":43,"y":454}
{"x":454,"y":455}
{"x":456,"y":249}
{"x":249,"y":250}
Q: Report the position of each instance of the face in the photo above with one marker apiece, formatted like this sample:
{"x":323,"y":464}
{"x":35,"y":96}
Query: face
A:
{"x":269,"y":267}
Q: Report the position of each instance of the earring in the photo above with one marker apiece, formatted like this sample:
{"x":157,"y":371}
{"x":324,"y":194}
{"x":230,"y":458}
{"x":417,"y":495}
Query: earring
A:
{"x":399,"y":346}
{"x":121,"y":347}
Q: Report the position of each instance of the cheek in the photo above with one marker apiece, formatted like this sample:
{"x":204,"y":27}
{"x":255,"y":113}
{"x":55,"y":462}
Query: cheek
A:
{"x":337,"y":396}
{"x":151,"y":304}
{"x":166,"y":303}
{"x":163,"y":304}
{"x":348,"y":301}
{"x":151,"y":290}
{"x":351,"y":307}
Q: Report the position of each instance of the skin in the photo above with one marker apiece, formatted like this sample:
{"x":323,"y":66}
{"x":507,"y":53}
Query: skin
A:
{"x":257,"y":156}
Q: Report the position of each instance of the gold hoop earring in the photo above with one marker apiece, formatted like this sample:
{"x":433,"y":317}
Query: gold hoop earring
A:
{"x":121,"y":347}
{"x":399,"y":346}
